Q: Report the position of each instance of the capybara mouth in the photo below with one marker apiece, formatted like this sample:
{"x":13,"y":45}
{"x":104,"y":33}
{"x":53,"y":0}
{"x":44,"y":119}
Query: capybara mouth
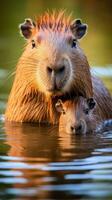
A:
{"x":55,"y":93}
{"x":55,"y":89}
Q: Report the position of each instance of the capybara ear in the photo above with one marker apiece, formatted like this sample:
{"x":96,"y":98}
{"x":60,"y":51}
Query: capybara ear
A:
{"x":78,"y":29}
{"x":91,"y":103}
{"x":26,"y":28}
{"x":59,"y":106}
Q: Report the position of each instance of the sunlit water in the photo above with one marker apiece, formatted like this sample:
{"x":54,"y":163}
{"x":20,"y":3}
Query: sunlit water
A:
{"x":38,"y":162}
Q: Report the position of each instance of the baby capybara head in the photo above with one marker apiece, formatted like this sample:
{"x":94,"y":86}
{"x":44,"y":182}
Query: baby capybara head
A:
{"x":77,"y":115}
{"x":54,"y":54}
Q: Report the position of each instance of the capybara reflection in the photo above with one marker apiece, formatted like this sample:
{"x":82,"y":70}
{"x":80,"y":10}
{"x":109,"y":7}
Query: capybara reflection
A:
{"x":77,"y":116}
{"x":52,"y":66}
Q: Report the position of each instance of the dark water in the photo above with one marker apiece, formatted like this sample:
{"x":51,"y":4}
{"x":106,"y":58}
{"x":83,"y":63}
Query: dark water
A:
{"x":38,"y":162}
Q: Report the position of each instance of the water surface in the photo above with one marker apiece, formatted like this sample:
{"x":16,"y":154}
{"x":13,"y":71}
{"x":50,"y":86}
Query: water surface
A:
{"x":39,"y":162}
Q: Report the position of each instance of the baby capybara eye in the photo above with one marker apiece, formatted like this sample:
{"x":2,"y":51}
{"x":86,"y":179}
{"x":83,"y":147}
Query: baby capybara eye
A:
{"x":86,"y":111}
{"x":74,"y":43}
{"x":33,"y":44}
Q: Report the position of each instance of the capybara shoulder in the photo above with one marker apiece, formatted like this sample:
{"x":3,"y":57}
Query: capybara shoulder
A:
{"x":103,"y":99}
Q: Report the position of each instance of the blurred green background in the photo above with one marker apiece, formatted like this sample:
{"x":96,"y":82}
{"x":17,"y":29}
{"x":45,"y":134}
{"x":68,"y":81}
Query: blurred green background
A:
{"x":97,"y":14}
{"x":97,"y":44}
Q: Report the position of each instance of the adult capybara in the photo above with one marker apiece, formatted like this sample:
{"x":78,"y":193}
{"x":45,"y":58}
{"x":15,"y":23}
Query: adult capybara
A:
{"x":77,"y":116}
{"x":52,"y":66}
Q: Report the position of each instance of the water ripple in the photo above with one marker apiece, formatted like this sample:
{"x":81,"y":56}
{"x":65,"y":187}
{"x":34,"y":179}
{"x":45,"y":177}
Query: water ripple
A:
{"x":13,"y":180}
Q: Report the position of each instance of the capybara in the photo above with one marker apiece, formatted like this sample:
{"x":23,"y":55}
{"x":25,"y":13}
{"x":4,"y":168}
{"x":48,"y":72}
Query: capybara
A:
{"x":52,"y":66}
{"x":81,"y":116}
{"x":77,"y":116}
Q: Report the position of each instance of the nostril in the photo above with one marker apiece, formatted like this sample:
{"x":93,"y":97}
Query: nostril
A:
{"x":60,"y":70}
{"x":78,"y":127}
{"x":49,"y":70}
{"x":72,"y":128}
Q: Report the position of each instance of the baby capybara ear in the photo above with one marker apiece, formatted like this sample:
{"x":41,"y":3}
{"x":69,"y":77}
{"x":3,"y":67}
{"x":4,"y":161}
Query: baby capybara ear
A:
{"x":78,"y":29}
{"x":26,"y":28}
{"x":59,"y":106}
{"x":91,"y":103}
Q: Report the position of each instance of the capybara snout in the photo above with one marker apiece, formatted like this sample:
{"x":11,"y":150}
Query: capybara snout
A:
{"x":78,"y":128}
{"x":56,"y":75}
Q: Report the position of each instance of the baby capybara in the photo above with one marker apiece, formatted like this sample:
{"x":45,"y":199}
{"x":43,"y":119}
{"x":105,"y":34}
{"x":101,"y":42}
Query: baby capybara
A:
{"x":52,"y":66}
{"x":77,"y":116}
{"x":81,"y":116}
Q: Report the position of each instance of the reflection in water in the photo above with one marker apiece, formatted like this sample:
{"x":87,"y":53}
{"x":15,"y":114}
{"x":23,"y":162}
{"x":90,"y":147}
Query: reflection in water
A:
{"x":30,"y":141}
{"x":42,"y":163}
{"x":33,"y":141}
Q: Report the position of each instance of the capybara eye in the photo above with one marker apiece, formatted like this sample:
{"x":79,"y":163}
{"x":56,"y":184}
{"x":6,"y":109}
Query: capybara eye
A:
{"x":74,"y":43}
{"x":86,"y":111}
{"x":33,"y":44}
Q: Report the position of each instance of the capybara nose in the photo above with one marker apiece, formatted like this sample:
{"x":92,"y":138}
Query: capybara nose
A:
{"x":55,"y":74}
{"x":55,"y":69}
{"x":61,"y":69}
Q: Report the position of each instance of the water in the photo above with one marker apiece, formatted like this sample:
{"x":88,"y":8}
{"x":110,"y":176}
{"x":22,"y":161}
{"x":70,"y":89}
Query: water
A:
{"x":38,"y":162}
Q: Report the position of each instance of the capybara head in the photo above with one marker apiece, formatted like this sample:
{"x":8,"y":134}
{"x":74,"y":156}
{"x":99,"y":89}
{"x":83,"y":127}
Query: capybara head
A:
{"x":54,"y":55}
{"x":77,"y":115}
